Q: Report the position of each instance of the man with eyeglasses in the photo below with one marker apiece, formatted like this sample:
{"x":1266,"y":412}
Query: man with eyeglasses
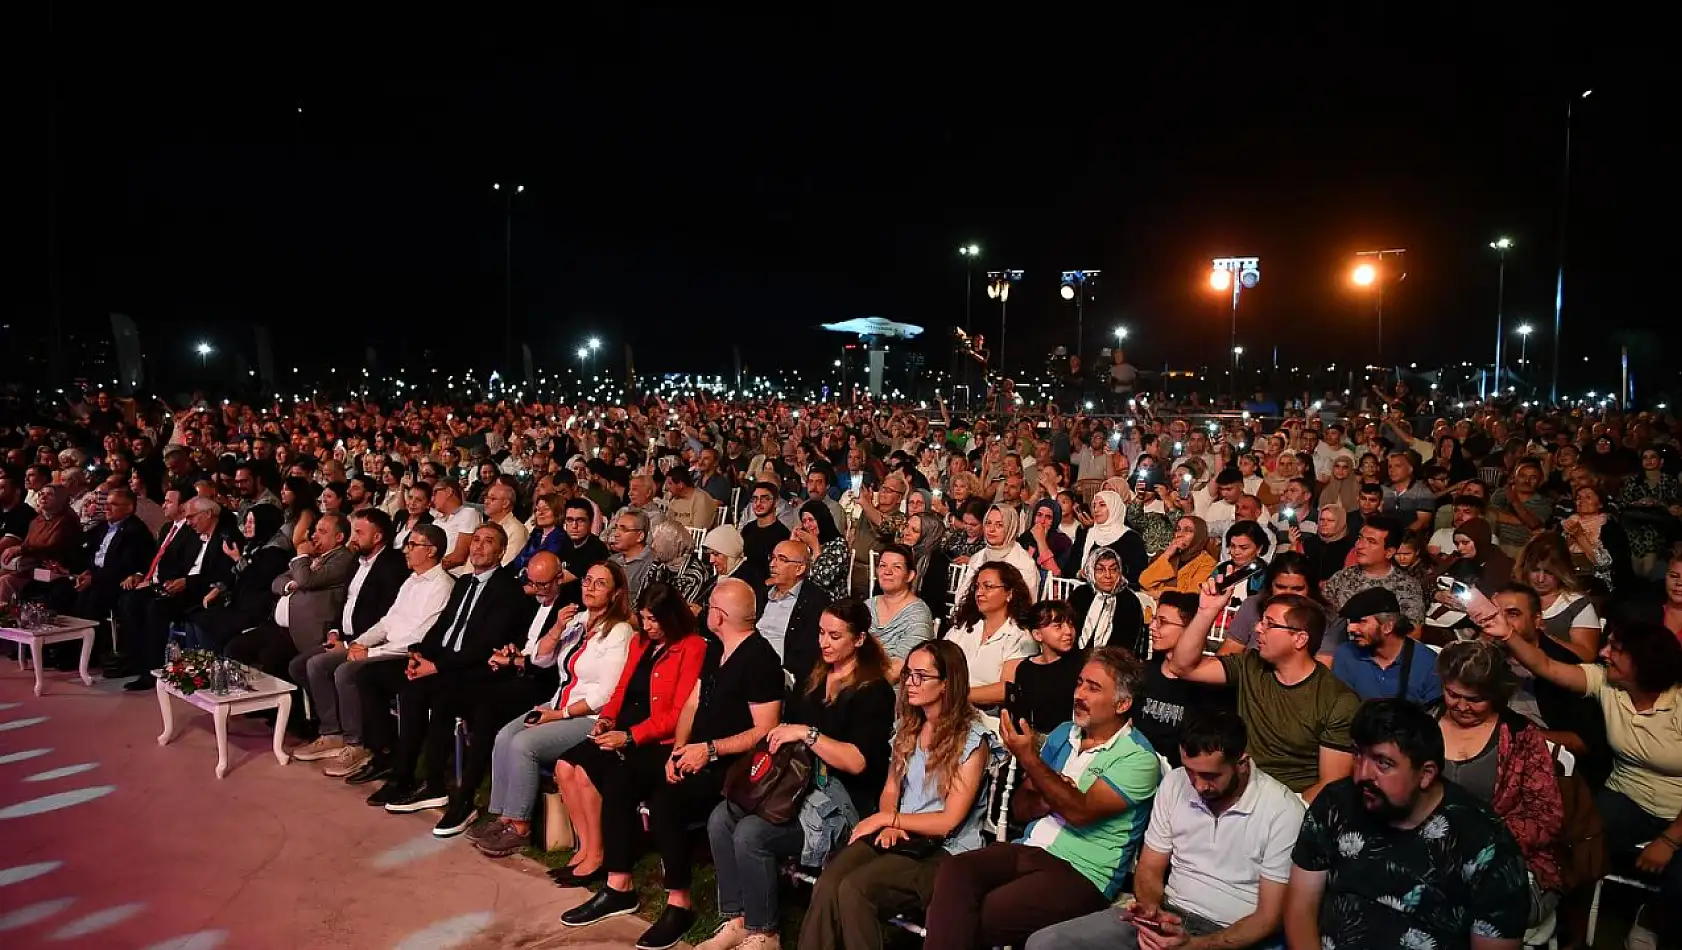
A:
{"x":1297,"y":712}
{"x":761,"y":535}
{"x":582,"y":550}
{"x":336,"y":677}
{"x":789,"y":609}
{"x":629,"y":542}
{"x":879,"y":522}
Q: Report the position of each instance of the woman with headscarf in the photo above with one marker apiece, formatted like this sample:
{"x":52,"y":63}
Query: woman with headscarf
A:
{"x":1109,"y":530}
{"x":1106,"y":611}
{"x":1328,"y":550}
{"x":1042,"y":539}
{"x":1452,"y":456}
{"x":229,"y":609}
{"x":923,"y":534}
{"x":1344,"y":486}
{"x":722,"y":554}
{"x":999,"y":531}
{"x":1185,"y":564}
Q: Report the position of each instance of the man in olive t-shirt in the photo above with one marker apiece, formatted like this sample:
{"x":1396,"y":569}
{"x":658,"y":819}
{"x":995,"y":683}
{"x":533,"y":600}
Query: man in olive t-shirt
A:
{"x":1297,"y":712}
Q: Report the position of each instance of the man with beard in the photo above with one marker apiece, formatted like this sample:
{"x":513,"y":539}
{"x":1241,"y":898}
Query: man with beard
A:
{"x":1098,"y":776}
{"x":1226,"y":829}
{"x":1394,"y":856}
{"x":1380,"y":660}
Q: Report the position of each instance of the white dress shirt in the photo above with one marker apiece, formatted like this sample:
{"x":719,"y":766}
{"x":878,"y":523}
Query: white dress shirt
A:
{"x":419,"y":602}
{"x":198,"y":562}
{"x":364,"y":564}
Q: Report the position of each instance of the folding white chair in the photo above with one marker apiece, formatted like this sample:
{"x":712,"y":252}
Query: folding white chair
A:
{"x":718,"y":516}
{"x":699,"y":535}
{"x":1059,"y":588}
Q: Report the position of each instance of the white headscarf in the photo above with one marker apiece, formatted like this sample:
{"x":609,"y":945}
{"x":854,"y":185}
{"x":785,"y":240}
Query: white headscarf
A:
{"x":1108,"y":532}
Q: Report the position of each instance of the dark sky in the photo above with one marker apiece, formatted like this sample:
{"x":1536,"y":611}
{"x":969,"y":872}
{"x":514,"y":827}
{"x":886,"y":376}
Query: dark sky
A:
{"x":696,"y":180}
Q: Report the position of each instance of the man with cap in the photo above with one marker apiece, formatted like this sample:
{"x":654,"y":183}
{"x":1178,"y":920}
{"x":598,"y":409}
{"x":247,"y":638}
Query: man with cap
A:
{"x":1380,"y":660}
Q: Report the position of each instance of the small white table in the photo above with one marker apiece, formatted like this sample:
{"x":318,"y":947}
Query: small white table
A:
{"x":265,"y":692}
{"x":62,"y":629}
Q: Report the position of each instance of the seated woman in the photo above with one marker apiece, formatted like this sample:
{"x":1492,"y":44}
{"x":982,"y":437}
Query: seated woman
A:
{"x":1599,"y":547}
{"x":1000,"y":530}
{"x":1048,"y":547}
{"x":231,"y":609}
{"x":1247,"y":545}
{"x":826,"y":548}
{"x":1185,"y":564}
{"x":1569,"y":616}
{"x":545,"y":533}
{"x":672,"y":548}
{"x":1109,"y":530}
{"x":929,"y":807}
{"x":587,"y":650}
{"x":987,"y":626}
{"x":923,"y":535}
{"x":736,"y":702}
{"x":899,"y":620}
{"x":722,"y":554}
{"x":1503,"y":759}
{"x":1639,"y":691}
{"x":845,"y":713}
{"x":638,"y":722}
{"x":1106,"y":611}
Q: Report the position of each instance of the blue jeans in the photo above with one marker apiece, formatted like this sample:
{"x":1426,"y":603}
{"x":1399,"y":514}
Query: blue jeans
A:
{"x":1105,"y":930}
{"x":1628,"y":826}
{"x":746,"y":849}
{"x":521,"y":754}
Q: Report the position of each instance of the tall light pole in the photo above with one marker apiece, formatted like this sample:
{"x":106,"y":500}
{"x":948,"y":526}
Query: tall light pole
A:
{"x":594,"y":345}
{"x":204,"y":350}
{"x":1564,"y":220}
{"x":969,"y":252}
{"x":1524,"y":331}
{"x":1501,"y":247}
{"x":1075,"y":288}
{"x":1236,"y":274}
{"x":1372,"y":275}
{"x":508,"y":271}
{"x":998,"y":288}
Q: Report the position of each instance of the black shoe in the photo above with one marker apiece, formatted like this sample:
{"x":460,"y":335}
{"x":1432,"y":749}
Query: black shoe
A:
{"x":566,"y":877}
{"x":457,"y":816}
{"x":390,"y":792}
{"x":376,"y":770}
{"x":117,"y":665}
{"x":606,"y":903}
{"x":427,"y":796}
{"x":64,"y":660}
{"x":674,"y":922}
{"x":141,"y":683}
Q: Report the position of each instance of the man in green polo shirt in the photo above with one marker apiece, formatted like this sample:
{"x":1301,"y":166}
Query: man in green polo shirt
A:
{"x":1098,"y":776}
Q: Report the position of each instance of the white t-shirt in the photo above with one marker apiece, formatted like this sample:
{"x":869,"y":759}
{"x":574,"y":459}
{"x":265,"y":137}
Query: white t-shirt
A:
{"x":466,"y":520}
{"x":1216,"y":866}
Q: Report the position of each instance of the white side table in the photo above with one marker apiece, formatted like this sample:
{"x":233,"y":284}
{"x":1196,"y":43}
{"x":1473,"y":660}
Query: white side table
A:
{"x":60,"y":630}
{"x":264,"y":692}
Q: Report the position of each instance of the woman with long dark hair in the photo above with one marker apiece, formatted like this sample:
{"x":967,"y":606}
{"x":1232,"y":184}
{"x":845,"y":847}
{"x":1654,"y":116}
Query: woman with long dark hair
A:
{"x":988,"y":626}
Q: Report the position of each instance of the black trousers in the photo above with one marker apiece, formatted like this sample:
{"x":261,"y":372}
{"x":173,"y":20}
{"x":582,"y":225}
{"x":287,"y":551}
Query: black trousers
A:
{"x":146,"y":615}
{"x":427,"y":709}
{"x":506,"y":696}
{"x":268,"y":648}
{"x":641,"y":777}
{"x":221,"y":625}
{"x":378,"y":684}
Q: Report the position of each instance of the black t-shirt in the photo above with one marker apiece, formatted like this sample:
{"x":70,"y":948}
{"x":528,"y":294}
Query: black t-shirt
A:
{"x":1161,"y":709}
{"x":578,"y":559}
{"x":1048,"y":690}
{"x":757,"y":543}
{"x":16,"y":522}
{"x":752,"y":675}
{"x":862,"y":716}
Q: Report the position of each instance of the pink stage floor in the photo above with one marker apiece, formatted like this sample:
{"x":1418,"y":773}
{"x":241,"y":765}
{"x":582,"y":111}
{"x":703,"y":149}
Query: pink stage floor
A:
{"x":108,"y":840}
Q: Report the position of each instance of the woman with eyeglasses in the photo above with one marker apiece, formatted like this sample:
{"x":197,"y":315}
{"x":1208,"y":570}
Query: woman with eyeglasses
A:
{"x":929,"y":807}
{"x":545,"y":533}
{"x":987,"y":626}
{"x":587,"y":651}
{"x":844,"y":713}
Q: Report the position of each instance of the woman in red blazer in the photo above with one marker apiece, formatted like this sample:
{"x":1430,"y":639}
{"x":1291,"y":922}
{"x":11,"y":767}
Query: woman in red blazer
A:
{"x":636,"y":727}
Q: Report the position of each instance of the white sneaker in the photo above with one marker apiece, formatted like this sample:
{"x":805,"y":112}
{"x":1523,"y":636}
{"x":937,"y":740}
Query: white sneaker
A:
{"x":1641,"y":938}
{"x":322,"y":748}
{"x":729,"y":936}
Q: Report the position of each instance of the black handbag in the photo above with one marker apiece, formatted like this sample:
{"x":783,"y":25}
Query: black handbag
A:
{"x":770,"y":784}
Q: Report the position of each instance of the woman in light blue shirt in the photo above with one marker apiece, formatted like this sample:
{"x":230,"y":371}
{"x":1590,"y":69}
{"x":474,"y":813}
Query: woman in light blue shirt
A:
{"x":898,"y":617}
{"x":930,"y":807}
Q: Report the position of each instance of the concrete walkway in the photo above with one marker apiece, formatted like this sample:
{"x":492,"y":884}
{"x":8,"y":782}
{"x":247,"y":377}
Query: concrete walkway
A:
{"x":108,"y":840}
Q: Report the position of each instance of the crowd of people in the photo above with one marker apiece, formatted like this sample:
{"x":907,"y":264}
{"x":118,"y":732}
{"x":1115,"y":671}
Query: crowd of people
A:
{"x":1299,"y":680}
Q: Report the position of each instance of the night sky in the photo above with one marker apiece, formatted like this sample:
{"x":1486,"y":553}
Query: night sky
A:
{"x":699,"y":180}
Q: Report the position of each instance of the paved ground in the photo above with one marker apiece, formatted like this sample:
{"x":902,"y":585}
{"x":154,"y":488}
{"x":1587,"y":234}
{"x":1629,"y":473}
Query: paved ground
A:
{"x":109,"y":841}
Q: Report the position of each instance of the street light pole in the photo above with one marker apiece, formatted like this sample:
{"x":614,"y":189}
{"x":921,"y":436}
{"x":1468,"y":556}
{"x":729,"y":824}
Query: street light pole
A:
{"x":1524,"y":331}
{"x":1501,"y":246}
{"x":1074,"y":287}
{"x":1237,"y":274}
{"x":508,"y":271}
{"x":1373,"y":274}
{"x":969,"y":252}
{"x":1564,"y":220}
{"x":998,"y":288}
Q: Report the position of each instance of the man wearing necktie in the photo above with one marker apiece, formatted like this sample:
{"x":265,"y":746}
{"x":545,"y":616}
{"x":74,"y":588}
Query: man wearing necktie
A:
{"x":449,"y":672}
{"x":174,"y":585}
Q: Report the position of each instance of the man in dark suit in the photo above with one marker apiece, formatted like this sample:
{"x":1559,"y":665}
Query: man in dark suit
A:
{"x":176,"y":582}
{"x":312,"y":592}
{"x":789,"y":609}
{"x":112,"y":552}
{"x":445,"y":673}
{"x":175,"y":542}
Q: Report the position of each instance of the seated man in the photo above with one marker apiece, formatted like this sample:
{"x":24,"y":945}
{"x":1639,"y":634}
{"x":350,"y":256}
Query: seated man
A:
{"x":312,"y":596}
{"x":177,"y":581}
{"x":1225,"y":829}
{"x":1394,"y":856}
{"x":445,"y":672}
{"x":1380,"y":660}
{"x":1297,"y":712}
{"x":1098,"y":776}
{"x":332,"y":675}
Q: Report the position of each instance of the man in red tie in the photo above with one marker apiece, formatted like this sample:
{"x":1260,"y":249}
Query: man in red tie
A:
{"x":144,"y":595}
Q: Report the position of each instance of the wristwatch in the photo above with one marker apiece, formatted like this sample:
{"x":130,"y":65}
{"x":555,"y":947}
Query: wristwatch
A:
{"x":712,"y":752}
{"x":811,"y":736}
{"x":630,"y":741}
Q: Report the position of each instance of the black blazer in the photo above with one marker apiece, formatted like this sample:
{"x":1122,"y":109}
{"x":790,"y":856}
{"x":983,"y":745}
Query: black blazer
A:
{"x":218,"y":567}
{"x":1129,"y":549}
{"x":502,"y":612}
{"x":178,"y":556}
{"x":130,"y":553}
{"x":379,"y":589}
{"x":800,"y":641}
